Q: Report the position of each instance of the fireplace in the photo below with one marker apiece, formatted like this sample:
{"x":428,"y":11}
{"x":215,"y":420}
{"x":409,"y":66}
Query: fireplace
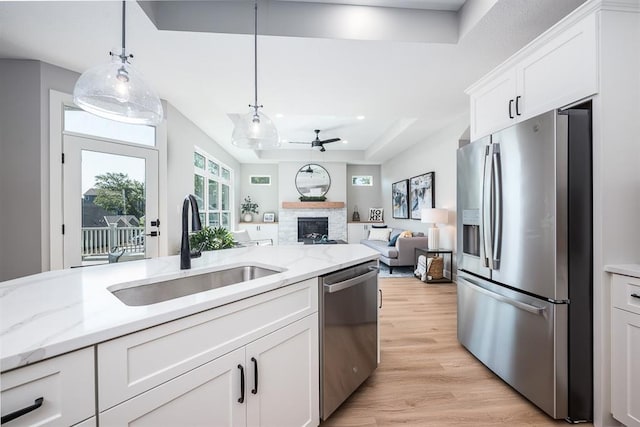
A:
{"x":312,"y":228}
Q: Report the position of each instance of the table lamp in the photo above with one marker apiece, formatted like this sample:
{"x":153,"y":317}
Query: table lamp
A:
{"x":434,"y":216}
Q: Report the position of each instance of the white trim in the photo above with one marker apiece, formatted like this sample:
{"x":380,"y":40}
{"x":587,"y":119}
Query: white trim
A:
{"x":229,"y":183}
{"x":57,"y":101}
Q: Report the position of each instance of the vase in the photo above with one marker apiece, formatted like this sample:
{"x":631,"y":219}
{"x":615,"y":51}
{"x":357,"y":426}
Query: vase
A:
{"x":247,"y":217}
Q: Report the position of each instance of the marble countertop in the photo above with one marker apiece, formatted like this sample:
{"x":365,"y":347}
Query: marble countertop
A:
{"x":632,"y":270}
{"x":55,"y":312}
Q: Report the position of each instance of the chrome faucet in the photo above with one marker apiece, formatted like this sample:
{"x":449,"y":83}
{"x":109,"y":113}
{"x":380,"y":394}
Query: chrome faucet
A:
{"x":185,"y":251}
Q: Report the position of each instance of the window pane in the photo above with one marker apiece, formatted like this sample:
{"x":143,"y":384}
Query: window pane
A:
{"x":226,"y":174}
{"x":80,"y":121}
{"x":225,"y":198}
{"x":225,"y":220}
{"x":214,"y":219}
{"x":198,"y":160}
{"x":202,"y":219}
{"x":214,"y":169}
{"x":213,"y":195}
{"x":198,"y":190}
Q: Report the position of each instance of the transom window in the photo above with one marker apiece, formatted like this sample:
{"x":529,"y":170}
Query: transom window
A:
{"x":80,"y":122}
{"x":212,"y":184}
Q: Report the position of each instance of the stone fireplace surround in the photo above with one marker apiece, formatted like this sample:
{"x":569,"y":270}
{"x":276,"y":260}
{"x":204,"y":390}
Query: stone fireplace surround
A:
{"x":288,"y":223}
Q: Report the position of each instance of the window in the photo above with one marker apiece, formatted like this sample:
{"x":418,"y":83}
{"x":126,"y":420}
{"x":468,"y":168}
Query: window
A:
{"x":212,"y":184}
{"x":81,"y":122}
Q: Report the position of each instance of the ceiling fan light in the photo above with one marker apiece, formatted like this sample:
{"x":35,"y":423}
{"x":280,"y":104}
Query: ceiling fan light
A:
{"x":117,"y":91}
{"x":255,"y":131}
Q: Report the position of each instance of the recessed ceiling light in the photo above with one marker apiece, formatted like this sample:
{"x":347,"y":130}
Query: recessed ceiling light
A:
{"x":360,"y":117}
{"x":279,"y":115}
{"x":344,"y":141}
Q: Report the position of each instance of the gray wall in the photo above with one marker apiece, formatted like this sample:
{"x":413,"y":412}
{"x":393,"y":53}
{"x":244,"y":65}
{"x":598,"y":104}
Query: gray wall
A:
{"x":20,"y":169}
{"x":364,"y":197}
{"x":182,"y":136}
{"x":266,"y":196}
{"x":436,"y":153}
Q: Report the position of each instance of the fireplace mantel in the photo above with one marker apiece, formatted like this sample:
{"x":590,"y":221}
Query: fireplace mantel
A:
{"x":312,"y":205}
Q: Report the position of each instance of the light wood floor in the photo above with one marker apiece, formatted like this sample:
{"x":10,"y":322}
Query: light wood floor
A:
{"x":425,"y":377}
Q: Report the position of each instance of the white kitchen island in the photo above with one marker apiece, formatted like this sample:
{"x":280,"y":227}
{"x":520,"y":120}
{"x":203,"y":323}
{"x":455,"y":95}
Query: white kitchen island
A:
{"x":185,"y":358}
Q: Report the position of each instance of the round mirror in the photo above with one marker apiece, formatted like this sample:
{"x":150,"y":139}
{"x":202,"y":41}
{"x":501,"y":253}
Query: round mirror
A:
{"x":313,"y":181}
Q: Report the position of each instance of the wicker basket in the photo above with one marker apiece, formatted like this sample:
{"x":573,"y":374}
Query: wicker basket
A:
{"x":436,"y":268}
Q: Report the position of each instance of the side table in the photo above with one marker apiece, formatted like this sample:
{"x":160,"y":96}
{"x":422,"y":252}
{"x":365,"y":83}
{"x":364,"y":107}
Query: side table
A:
{"x":440,"y":252}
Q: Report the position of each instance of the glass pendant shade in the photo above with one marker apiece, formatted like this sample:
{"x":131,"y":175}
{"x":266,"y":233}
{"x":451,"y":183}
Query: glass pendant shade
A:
{"x":117,"y":91}
{"x":255,"y":131}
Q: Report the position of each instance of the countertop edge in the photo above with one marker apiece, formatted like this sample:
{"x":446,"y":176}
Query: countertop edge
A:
{"x":632,"y":270}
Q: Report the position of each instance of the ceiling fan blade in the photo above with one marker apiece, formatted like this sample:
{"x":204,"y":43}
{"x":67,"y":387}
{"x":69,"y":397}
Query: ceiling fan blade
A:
{"x":298,"y":142}
{"x":326,"y":141}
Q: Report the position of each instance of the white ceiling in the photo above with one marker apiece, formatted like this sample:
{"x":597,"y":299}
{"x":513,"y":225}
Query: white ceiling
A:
{"x":320,"y":65}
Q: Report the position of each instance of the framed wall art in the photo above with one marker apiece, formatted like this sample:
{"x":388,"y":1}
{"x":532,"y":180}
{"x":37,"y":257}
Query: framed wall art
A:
{"x":422,"y":193}
{"x":260,"y":179}
{"x":268,"y":217}
{"x":400,"y":199}
{"x":362,"y":180}
{"x":375,"y":214}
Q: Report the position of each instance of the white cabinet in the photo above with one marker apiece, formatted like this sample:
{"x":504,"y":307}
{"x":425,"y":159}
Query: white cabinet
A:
{"x":287,"y":389}
{"x":357,"y":231}
{"x":558,"y":70}
{"x":60,"y":391}
{"x":625,"y":350}
{"x":261,"y":231}
{"x":190,"y":371}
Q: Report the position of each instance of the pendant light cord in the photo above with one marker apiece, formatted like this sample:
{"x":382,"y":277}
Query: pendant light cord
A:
{"x":124,"y":13}
{"x":255,"y":55}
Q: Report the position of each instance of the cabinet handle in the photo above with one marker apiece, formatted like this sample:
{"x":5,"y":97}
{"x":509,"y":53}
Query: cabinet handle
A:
{"x":255,"y":376}
{"x":20,"y":412}
{"x":518,"y":105}
{"x":635,"y":296}
{"x":380,"y":290}
{"x":510,"y":106}
{"x":241,"y":399}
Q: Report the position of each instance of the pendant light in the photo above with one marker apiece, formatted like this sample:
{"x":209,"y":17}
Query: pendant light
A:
{"x":255,"y":130}
{"x":117,"y":91}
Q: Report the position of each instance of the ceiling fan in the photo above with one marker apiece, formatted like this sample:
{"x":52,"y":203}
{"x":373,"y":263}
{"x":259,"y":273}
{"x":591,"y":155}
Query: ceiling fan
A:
{"x":317,"y":143}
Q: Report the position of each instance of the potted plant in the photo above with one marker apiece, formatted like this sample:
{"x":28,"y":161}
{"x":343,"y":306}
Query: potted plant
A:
{"x":248,"y":208}
{"x":211,"y":239}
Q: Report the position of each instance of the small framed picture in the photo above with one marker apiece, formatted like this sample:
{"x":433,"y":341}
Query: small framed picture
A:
{"x":260,"y":179}
{"x":362,"y":180}
{"x":268,"y":217}
{"x":375,"y":214}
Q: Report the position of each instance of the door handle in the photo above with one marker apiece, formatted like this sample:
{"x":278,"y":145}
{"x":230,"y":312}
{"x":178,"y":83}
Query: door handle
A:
{"x":518,"y":304}
{"x":350,"y":282}
{"x":24,"y":411}
{"x":241,"y":399}
{"x":496,"y":195}
{"x":255,"y":376}
{"x":380,"y":290}
{"x":487,"y":237}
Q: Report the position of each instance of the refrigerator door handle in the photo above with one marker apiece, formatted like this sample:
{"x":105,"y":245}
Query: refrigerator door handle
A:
{"x":496,"y":194}
{"x":487,"y":232}
{"x":518,"y":304}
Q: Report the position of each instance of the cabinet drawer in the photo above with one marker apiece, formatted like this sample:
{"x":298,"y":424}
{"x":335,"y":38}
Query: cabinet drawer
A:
{"x":135,"y":363}
{"x":66,"y":384}
{"x":624,"y":289}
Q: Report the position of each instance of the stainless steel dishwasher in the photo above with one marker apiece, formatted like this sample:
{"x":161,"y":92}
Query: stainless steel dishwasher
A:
{"x":348,"y":332}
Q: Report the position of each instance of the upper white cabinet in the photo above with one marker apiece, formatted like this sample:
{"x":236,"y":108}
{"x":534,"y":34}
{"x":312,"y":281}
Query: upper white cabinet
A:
{"x":58,"y":391}
{"x":555,"y":70}
{"x":625,"y":350}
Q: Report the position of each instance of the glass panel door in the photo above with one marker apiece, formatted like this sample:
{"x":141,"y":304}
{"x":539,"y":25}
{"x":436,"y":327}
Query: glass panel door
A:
{"x":110,"y":202}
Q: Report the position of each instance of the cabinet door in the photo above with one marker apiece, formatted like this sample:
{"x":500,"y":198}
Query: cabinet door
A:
{"x":490,"y":105}
{"x":357,"y":232}
{"x":266,"y":231}
{"x":625,"y":367}
{"x":287,"y":389}
{"x":562,"y":71}
{"x":207,"y":395}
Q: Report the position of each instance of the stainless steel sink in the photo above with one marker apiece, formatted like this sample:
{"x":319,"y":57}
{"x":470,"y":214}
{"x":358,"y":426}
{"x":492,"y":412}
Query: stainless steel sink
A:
{"x":163,"y":291}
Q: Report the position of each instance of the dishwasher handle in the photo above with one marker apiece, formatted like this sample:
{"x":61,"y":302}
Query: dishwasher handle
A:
{"x":336,"y":287}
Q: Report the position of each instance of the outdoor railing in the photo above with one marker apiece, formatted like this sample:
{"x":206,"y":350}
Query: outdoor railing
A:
{"x":100,"y":240}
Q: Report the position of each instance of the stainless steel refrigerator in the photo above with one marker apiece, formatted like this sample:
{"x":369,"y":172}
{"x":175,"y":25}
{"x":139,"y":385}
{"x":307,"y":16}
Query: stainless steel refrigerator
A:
{"x":524,"y":198}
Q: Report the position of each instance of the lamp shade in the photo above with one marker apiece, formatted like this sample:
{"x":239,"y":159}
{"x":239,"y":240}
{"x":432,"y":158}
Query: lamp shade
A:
{"x":434,"y":216}
{"x":117,"y":91}
{"x":256,"y":131}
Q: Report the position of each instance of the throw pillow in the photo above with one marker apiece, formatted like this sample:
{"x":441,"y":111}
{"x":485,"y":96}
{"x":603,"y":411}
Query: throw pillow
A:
{"x":392,"y":241}
{"x":406,"y":234}
{"x":379,"y":234}
{"x":378,"y":226}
